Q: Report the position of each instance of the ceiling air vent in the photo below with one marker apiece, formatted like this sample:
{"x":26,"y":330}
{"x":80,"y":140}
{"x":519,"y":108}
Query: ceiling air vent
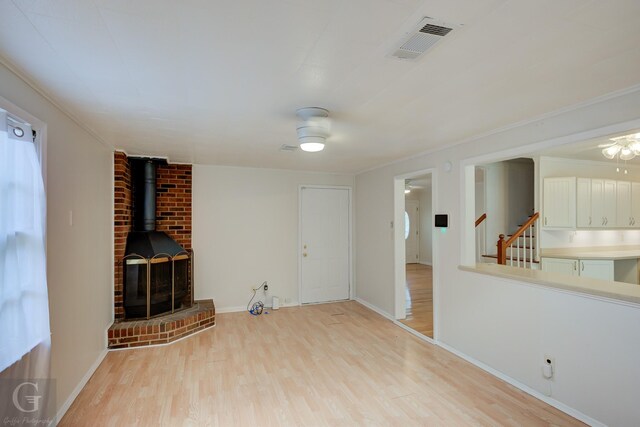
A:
{"x":285,"y":147}
{"x":422,"y":37}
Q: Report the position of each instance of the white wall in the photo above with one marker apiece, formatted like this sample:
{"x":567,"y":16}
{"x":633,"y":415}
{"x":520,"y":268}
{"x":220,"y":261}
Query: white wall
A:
{"x":245,"y":231}
{"x":79,"y":257}
{"x":558,"y":167}
{"x":496,"y":191}
{"x":520,"y":202}
{"x":426,"y":225}
{"x":510,"y":325}
{"x":423,"y":196}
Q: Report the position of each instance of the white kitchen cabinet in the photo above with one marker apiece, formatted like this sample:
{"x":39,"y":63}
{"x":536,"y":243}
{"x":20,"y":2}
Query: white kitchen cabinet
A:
{"x":596,"y":269}
{"x":583,"y":203}
{"x":593,"y":268}
{"x":635,"y":204}
{"x":603,"y":203}
{"x":559,"y":202}
{"x":627,"y":204}
{"x":623,"y":204}
{"x":560,"y":265}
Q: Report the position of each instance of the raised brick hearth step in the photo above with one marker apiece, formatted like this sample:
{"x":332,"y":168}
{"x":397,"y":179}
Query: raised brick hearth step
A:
{"x":162,"y":329}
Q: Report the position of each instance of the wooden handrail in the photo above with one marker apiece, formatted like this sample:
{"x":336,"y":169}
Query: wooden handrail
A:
{"x":504,"y":244}
{"x":480,"y":219}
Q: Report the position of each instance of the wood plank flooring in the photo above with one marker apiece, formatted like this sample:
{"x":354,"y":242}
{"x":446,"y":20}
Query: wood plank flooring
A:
{"x":419,"y":299}
{"x":336,"y":364}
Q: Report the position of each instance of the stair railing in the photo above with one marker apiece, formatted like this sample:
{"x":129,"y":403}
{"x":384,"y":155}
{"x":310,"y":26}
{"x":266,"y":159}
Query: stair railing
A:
{"x":481,"y":237}
{"x":503,"y":245}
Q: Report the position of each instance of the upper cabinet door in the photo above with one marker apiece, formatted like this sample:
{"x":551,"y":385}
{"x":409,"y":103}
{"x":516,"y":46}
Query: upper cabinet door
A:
{"x":559,"y":202}
{"x":624,"y":216}
{"x":635,"y":204}
{"x":597,"y":203}
{"x":609,"y":200}
{"x":603,"y":203}
{"x":583,"y":203}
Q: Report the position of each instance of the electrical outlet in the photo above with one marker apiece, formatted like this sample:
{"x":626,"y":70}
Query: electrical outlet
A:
{"x":266,"y":287}
{"x":548,"y":367}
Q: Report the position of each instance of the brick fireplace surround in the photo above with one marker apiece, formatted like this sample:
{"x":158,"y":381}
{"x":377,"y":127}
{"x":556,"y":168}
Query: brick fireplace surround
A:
{"x":173,"y":210}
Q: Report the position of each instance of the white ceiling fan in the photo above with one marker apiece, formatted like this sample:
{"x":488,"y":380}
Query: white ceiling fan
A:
{"x":624,"y":147}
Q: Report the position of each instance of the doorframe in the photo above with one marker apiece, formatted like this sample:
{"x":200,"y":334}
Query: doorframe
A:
{"x":399,"y":246}
{"x":299,"y":246}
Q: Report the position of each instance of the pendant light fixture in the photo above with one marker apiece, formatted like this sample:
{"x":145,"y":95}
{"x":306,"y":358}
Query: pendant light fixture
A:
{"x":313,"y":128}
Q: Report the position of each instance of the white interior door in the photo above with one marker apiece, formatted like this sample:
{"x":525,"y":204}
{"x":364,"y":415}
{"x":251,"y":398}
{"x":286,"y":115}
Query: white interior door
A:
{"x":411,"y":232}
{"x":324,"y":244}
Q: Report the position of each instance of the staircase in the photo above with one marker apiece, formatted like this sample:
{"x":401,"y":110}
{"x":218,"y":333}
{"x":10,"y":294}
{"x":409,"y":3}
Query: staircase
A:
{"x":518,"y":249}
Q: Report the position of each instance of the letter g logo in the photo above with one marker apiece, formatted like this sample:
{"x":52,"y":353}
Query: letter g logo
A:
{"x":33,"y":400}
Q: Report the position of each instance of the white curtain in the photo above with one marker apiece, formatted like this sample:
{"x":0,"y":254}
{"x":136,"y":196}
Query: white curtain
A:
{"x":24,"y":308}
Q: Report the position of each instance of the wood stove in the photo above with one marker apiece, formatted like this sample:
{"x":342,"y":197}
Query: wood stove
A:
{"x":157,"y":271}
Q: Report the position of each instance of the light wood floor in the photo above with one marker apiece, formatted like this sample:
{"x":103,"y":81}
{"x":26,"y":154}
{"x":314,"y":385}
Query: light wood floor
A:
{"x":419,"y":299}
{"x":334,"y":364}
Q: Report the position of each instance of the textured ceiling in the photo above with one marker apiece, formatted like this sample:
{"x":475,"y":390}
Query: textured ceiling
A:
{"x":218,"y":82}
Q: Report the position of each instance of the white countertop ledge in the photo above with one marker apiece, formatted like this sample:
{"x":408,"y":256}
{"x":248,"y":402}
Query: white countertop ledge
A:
{"x":618,"y":291}
{"x":603,"y":252}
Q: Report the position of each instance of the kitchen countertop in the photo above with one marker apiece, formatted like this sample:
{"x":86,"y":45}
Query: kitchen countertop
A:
{"x":603,"y":252}
{"x":619,"y":291}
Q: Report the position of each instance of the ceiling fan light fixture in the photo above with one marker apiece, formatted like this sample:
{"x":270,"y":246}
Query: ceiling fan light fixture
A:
{"x":311,"y":144}
{"x":626,"y":153}
{"x":312,"y":129}
{"x":611,"y":151}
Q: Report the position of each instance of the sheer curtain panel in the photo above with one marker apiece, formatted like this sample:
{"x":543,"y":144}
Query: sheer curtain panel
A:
{"x":24,"y":309}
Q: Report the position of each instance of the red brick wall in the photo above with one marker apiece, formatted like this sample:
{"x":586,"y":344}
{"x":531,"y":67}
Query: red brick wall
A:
{"x":122,"y":221}
{"x":173,"y":212}
{"x":173,"y":202}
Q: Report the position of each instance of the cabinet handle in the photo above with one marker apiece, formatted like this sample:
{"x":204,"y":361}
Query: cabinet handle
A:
{"x":545,"y":220}
{"x":582,"y":265}
{"x":589,"y":220}
{"x":575,"y":265}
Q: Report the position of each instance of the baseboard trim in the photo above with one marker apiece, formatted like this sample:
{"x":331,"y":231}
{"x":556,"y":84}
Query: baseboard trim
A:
{"x":414,"y":332}
{"x":530,"y":391}
{"x":244,"y":308}
{"x":428,"y":264}
{"x":517,"y":384}
{"x":376,"y":309}
{"x":76,"y":391}
{"x":230,"y":309}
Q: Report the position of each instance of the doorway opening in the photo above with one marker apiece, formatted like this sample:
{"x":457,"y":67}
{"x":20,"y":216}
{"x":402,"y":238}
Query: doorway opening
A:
{"x":504,"y":203}
{"x":414,"y":252}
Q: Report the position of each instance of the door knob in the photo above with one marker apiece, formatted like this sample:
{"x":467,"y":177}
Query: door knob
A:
{"x":304,"y":254}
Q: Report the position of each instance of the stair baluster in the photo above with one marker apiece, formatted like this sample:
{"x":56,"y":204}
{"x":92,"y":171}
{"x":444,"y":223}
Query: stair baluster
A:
{"x":526,"y":233}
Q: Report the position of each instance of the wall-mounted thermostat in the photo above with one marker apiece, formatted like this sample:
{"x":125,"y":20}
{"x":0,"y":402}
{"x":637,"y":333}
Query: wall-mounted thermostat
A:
{"x":441,"y":220}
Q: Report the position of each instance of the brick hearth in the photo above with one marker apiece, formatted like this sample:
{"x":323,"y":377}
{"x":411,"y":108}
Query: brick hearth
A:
{"x":163,"y":329}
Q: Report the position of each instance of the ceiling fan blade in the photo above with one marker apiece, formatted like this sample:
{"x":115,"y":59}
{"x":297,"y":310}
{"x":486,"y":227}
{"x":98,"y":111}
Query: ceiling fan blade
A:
{"x":606,"y":145}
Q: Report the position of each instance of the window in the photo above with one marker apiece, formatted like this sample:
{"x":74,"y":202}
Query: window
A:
{"x":24,"y":315}
{"x":407,"y":225}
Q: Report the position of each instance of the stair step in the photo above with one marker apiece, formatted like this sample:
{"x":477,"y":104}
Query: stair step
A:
{"x":508,"y":258}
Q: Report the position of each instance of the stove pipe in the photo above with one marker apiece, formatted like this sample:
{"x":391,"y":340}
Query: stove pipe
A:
{"x":144,"y":194}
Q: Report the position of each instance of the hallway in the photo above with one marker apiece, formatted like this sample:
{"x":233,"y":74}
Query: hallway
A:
{"x":419,"y":297}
